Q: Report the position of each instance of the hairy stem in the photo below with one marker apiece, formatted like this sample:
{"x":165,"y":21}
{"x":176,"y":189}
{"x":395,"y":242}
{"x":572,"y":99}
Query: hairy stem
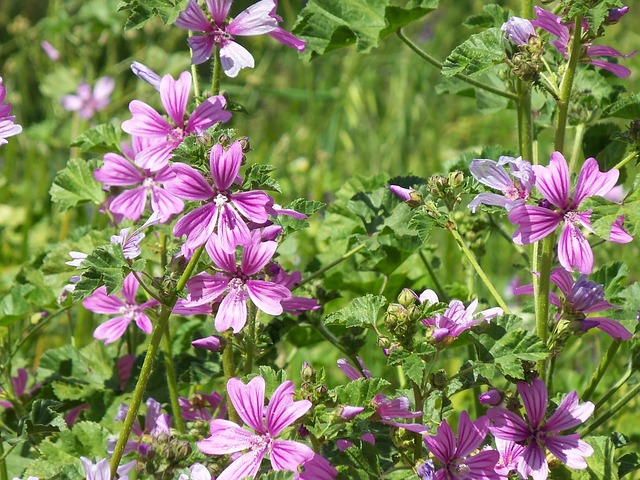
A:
{"x":4,"y":475}
{"x":633,"y":155}
{"x":476,"y":266}
{"x":216,"y":76}
{"x":464,"y":78}
{"x":171,"y":381}
{"x":525,"y":120}
{"x":577,"y":145}
{"x":526,"y":9}
{"x":600,"y":371}
{"x":229,"y":369}
{"x":541,"y":294}
{"x":194,"y":73}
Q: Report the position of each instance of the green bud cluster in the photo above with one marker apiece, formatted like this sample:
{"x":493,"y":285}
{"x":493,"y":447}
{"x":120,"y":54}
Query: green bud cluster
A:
{"x":526,"y":63}
{"x":447,"y":188}
{"x":402,"y":319}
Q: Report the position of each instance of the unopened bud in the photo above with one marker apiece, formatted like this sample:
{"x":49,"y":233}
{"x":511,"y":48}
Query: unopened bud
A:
{"x":307,"y":373}
{"x":407,"y":298}
{"x":455,"y":179}
{"x":224,"y":139}
{"x":491,"y":397}
{"x":439,"y":379}
{"x":518,"y":30}
{"x":245,"y":144}
{"x":615,"y":14}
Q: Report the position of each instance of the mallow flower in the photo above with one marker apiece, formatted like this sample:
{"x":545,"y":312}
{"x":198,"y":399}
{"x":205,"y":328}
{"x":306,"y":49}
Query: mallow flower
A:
{"x":225,"y":210}
{"x":234,"y":285}
{"x":515,"y":188}
{"x":260,"y":18}
{"x":102,"y":471}
{"x":560,"y":207}
{"x":519,"y":30}
{"x":537,"y":434}
{"x":592,"y":53}
{"x":147,"y":122}
{"x":580,"y":298}
{"x":87,"y":101}
{"x":265,"y":425}
{"x":8,"y":127}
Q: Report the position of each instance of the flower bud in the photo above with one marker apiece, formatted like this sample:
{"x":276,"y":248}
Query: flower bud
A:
{"x":348,"y":412}
{"x":615,"y":14}
{"x":307,"y":373}
{"x":491,"y":397}
{"x":426,"y":470}
{"x":439,"y":379}
{"x":407,"y":298}
{"x":245,"y":144}
{"x":518,"y":30}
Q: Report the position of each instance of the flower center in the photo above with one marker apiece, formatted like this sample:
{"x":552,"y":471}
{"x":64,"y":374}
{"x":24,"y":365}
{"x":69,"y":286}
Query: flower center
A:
{"x":177,"y":135}
{"x":129,"y":311}
{"x":220,"y":200}
{"x":572,"y":217}
{"x":148,"y":182}
{"x":261,"y":442}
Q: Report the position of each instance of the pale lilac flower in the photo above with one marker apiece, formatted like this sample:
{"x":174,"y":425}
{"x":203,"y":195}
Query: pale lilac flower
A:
{"x":258,"y":19}
{"x":144,"y":183}
{"x":490,"y":397}
{"x":348,"y":412}
{"x":536,"y":434}
{"x":454,"y":453}
{"x":8,"y":127}
{"x":515,"y":189}
{"x":352,"y":372}
{"x":224,"y":212}
{"x":50,"y":50}
{"x":426,"y":470}
{"x":76,"y":259}
{"x":519,"y":30}
{"x":456,"y":319}
{"x":148,"y":123}
{"x":237,"y":284}
{"x":580,"y":298}
{"x":553,"y":24}
{"x":197,"y":471}
{"x":155,"y":423}
{"x":202,"y":407}
{"x":131,"y":242}
{"x":19,"y":384}
{"x":402,"y":193}
{"x":266,"y":425}
{"x":560,"y":208}
{"x":125,"y":306}
{"x":510,"y":453}
{"x":87,"y":101}
{"x":145,"y":73}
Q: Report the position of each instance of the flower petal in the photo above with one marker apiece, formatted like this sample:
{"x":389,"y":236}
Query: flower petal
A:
{"x":208,"y":113}
{"x":282,"y":410}
{"x":225,"y":165}
{"x":112,"y":329}
{"x":233,"y":58}
{"x":553,"y":181}
{"x":232,"y":312}
{"x":443,"y":444}
{"x":592,"y":182}
{"x":254,"y":20}
{"x":534,"y":399}
{"x":146,"y":122}
{"x":248,"y":401}
{"x":193,"y":18}
{"x":188,"y":184}
{"x":535,"y":223}
{"x":507,"y":425}
{"x":569,"y":414}
{"x":470,"y":434}
{"x":574,"y":250}
{"x":267,"y":295}
{"x":256,"y":255}
{"x":201,"y":48}
{"x":226,"y":437}
{"x":174,"y":95}
{"x":130,"y":203}
{"x":615,"y":329}
{"x":288,"y":455}
{"x":570,"y":450}
{"x":118,"y":171}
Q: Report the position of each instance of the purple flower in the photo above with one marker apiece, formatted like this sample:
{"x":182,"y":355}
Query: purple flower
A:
{"x":519,"y":30}
{"x":515,"y":191}
{"x":292,"y":305}
{"x":258,"y":19}
{"x":510,"y":453}
{"x":117,"y":171}
{"x":388,"y":409}
{"x":155,"y":423}
{"x":456,"y":319}
{"x":125,"y":307}
{"x":553,"y":24}
{"x":212,"y":343}
{"x":148,"y":123}
{"x":197,"y":471}
{"x":145,"y":73}
{"x":7,"y":126}
{"x":86,"y":101}
{"x":101,"y":469}
{"x":426,"y":470}
{"x":536,"y":434}
{"x":202,"y":407}
{"x":318,"y":468}
{"x":453,"y":453}
{"x":225,"y":211}
{"x":248,"y":401}
{"x":537,"y":222}
{"x":237,"y":284}
{"x":614,"y":15}
{"x":352,"y":372}
{"x":50,"y":50}
{"x":131,"y":241}
{"x":580,"y":298}
{"x":19,"y":384}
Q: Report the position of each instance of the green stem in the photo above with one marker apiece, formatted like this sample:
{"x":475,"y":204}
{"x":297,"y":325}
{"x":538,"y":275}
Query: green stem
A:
{"x":4,"y":475}
{"x":250,"y":339}
{"x":146,"y":288}
{"x":194,"y":73}
{"x":525,"y":119}
{"x":217,"y":72}
{"x":526,"y":9}
{"x":541,"y":294}
{"x":229,"y":369}
{"x":186,"y":275}
{"x":438,"y":65}
{"x":434,"y":278}
{"x":329,"y":266}
{"x":417,"y":438}
{"x":612,"y":411}
{"x":600,"y":371}
{"x":625,"y":377}
{"x":171,"y":381}
{"x":324,"y":331}
{"x":626,"y":160}
{"x":577,"y":146}
{"x":476,"y":266}
{"x":141,"y":384}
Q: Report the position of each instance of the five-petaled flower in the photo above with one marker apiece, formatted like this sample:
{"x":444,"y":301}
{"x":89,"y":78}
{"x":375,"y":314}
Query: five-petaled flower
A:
{"x":455,"y":453}
{"x":87,"y":101}
{"x":8,"y":127}
{"x":147,"y":122}
{"x":553,"y":24}
{"x":560,"y":207}
{"x":535,"y":433}
{"x":257,"y":19}
{"x":580,"y":298}
{"x":267,"y":425}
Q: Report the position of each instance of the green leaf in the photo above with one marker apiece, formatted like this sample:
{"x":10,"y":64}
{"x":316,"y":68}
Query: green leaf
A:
{"x":331,"y":24}
{"x":257,"y":178}
{"x":308,"y":207}
{"x":99,"y":139}
{"x":142,"y":11}
{"x":605,"y":213}
{"x":358,"y":392}
{"x":14,"y":305}
{"x":476,"y":54}
{"x":493,"y":16}
{"x":628,"y":463}
{"x":594,"y":12}
{"x":628,"y":107}
{"x":104,"y":266}
{"x":42,"y":419}
{"x":75,"y":184}
{"x":361,"y":312}
{"x":412,"y":362}
{"x":505,"y":344}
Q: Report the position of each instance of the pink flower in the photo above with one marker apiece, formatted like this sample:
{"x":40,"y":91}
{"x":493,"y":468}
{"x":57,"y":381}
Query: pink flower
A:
{"x":202,"y":407}
{"x":266,"y":425}
{"x":553,"y":24}
{"x":117,"y":171}
{"x":147,"y":122}
{"x":101,"y":470}
{"x":535,"y":433}
{"x":88,"y":102}
{"x":292,"y":305}
{"x":125,"y":307}
{"x":7,"y":126}
{"x":238,"y":284}
{"x":580,"y":298}
{"x":50,"y":50}
{"x":155,"y":423}
{"x":19,"y":384}
{"x":258,"y":19}
{"x":455,"y":453}
{"x":559,"y":207}
{"x":131,"y":241}
{"x":510,"y":453}
{"x":225,"y":210}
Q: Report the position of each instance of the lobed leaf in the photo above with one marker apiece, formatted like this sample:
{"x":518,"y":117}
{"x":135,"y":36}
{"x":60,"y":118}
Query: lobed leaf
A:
{"x":476,"y":54}
{"x":361,"y":312}
{"x":75,"y":184}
